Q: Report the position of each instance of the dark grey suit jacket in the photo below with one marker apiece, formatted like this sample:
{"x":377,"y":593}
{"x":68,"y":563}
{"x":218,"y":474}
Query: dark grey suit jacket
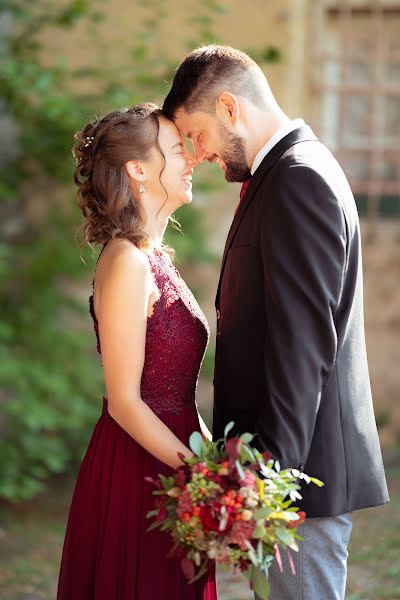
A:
{"x":291,"y":363}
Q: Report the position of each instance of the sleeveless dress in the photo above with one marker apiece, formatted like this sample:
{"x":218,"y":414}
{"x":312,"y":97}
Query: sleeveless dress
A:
{"x":108,"y":555}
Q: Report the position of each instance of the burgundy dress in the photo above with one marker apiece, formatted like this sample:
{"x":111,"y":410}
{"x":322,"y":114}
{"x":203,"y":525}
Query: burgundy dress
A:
{"x":108,"y":555}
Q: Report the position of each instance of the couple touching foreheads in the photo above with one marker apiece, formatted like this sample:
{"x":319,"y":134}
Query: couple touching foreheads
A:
{"x":290,"y":365}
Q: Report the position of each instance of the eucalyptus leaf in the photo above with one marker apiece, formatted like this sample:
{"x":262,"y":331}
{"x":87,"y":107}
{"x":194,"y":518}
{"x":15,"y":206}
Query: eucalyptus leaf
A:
{"x":239,"y":469}
{"x":251,"y":553}
{"x":284,"y":535}
{"x":259,"y":532}
{"x":196,"y":443}
{"x":228,"y":428}
{"x":248,"y":451}
{"x":262,"y":513}
{"x":260,"y":554}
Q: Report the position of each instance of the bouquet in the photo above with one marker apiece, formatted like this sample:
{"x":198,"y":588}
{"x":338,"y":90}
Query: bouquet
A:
{"x":232,"y":504}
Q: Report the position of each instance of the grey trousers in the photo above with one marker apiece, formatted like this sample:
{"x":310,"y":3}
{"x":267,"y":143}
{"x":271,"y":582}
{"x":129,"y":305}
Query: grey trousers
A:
{"x":321,"y":563}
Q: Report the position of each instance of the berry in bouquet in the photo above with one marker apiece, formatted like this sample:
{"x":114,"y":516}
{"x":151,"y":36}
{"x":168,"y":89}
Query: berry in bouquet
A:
{"x":232,"y":504}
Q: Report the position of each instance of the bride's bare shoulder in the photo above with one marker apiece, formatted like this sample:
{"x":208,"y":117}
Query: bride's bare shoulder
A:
{"x":121,"y":258}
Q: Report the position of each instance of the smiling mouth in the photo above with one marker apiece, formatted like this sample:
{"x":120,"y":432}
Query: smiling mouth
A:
{"x":187,"y":177}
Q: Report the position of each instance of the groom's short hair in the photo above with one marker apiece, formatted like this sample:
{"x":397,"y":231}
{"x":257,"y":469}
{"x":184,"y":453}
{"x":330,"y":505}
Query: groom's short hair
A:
{"x":209,"y":70}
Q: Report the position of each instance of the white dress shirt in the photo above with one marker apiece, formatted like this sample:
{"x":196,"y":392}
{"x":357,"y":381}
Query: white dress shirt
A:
{"x":277,"y":137}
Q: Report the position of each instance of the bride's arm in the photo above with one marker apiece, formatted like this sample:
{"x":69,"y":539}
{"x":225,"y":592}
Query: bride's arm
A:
{"x":122,"y":306}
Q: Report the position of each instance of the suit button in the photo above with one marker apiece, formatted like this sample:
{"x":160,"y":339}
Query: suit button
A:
{"x":218,"y":315}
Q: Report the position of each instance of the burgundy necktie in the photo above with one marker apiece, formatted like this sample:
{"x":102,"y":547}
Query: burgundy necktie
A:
{"x":244,"y":187}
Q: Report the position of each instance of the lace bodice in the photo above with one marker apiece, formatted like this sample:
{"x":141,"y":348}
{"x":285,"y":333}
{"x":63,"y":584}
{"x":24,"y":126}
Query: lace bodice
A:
{"x":177,"y":336}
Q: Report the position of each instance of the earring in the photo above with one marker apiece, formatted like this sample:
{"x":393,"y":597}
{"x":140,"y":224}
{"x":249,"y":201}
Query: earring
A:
{"x":141,"y":188}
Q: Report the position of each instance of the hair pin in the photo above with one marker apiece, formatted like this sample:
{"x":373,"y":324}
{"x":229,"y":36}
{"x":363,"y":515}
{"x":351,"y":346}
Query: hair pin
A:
{"x":88,"y":141}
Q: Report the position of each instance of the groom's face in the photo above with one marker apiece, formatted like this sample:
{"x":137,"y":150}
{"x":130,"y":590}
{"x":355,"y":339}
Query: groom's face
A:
{"x":212,"y":141}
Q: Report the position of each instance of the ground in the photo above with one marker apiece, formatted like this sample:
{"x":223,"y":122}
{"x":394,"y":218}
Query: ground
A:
{"x":32,"y":533}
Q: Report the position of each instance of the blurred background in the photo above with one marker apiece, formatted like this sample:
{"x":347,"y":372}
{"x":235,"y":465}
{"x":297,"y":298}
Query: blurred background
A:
{"x":336,"y":64}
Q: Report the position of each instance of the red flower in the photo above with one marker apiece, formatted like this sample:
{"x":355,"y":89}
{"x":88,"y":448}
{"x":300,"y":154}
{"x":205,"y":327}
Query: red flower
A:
{"x":210,"y":517}
{"x":218,"y":479}
{"x":293,"y":524}
{"x":199,"y":467}
{"x":184,"y":504}
{"x":233,"y":447}
{"x":267,"y":455}
{"x":180,"y":477}
{"x":241,"y":531}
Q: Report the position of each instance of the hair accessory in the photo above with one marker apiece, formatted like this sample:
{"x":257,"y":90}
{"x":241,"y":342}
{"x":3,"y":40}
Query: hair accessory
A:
{"x":141,"y":188}
{"x":88,"y":141}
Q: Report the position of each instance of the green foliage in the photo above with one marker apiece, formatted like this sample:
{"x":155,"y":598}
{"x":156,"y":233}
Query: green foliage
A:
{"x":230,"y":473}
{"x":50,"y":375}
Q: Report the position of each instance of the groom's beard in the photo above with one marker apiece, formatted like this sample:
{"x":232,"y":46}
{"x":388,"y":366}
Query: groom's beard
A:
{"x":234,"y":155}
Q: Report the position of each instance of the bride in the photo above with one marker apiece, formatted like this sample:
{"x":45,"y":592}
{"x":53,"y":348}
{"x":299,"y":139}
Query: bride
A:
{"x":132,"y":173}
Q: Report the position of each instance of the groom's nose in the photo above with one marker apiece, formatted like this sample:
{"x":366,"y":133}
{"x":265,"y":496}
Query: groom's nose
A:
{"x":191,"y":159}
{"x":200,"y":153}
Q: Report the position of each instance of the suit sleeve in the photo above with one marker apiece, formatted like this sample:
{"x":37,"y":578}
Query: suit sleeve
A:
{"x":303,"y":249}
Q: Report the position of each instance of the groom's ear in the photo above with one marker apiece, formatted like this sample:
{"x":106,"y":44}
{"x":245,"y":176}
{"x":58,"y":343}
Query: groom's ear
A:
{"x":227,"y":108}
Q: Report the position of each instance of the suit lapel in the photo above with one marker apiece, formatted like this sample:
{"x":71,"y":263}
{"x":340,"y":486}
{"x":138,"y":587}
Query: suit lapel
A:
{"x":302,"y":134}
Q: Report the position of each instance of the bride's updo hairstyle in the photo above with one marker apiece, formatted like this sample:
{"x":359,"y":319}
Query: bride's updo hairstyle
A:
{"x":101,"y":150}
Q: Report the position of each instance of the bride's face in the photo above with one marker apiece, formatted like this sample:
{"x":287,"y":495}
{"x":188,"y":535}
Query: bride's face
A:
{"x":173,"y":176}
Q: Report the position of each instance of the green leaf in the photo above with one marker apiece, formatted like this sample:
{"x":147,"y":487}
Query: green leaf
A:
{"x":249,"y":452}
{"x":317,"y":482}
{"x":239,"y":469}
{"x":247,"y":438}
{"x":200,"y":574}
{"x":248,"y":573}
{"x":259,"y":532}
{"x":228,"y":428}
{"x":154,"y":526}
{"x":284,"y":535}
{"x":196,"y":443}
{"x":262,"y":513}
{"x":260,"y":549}
{"x":260,"y":584}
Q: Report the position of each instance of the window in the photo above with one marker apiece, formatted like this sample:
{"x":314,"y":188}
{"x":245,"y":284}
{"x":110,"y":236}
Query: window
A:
{"x":356,"y":85}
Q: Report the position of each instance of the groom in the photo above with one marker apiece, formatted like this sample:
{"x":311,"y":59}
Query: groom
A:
{"x":291,"y":363}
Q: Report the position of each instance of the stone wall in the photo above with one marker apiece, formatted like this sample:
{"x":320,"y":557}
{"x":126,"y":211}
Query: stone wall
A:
{"x":286,"y":25}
